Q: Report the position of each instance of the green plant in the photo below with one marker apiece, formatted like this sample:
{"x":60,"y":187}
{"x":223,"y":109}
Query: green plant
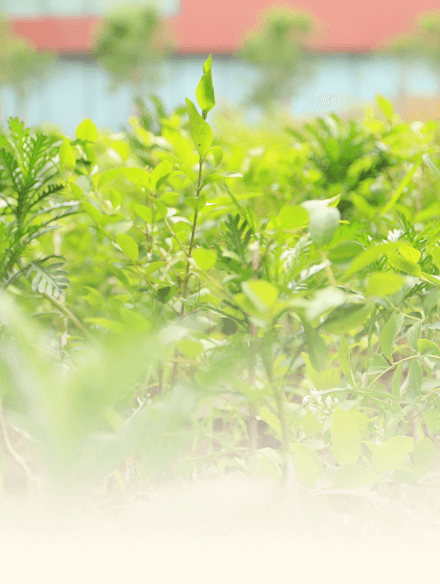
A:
{"x":30,"y":181}
{"x":278,"y":51}
{"x":20,"y":63}
{"x":131,"y":44}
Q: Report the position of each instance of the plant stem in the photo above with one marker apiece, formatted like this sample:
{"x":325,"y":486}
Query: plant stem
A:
{"x":73,"y":319}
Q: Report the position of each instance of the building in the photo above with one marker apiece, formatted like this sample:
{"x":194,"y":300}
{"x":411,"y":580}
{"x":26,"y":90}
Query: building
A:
{"x":348,"y":70}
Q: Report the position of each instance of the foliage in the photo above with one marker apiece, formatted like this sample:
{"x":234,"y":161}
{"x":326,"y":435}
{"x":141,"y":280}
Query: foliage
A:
{"x":30,"y":182}
{"x":250,"y":302}
{"x":277,"y":49}
{"x":131,"y":43}
{"x":20,"y":62}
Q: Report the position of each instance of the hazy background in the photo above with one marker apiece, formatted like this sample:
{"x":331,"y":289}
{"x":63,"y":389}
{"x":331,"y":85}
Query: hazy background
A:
{"x":341,"y":68}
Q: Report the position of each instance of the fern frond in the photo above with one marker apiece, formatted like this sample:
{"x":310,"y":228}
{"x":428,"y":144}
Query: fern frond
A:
{"x":48,"y":278}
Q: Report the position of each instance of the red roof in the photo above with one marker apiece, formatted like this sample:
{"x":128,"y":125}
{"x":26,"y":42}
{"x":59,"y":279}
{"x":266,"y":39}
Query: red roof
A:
{"x":202,"y":27}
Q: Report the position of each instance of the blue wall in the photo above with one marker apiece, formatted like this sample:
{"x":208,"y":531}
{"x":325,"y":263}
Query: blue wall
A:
{"x":74,"y":7}
{"x":77,"y":89}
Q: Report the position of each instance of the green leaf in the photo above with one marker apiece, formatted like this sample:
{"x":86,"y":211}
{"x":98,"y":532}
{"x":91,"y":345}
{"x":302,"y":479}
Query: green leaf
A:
{"x":322,"y":380}
{"x":161,"y":171}
{"x":435,"y":253}
{"x":405,"y":182}
{"x":323,"y":301}
{"x":138,"y":176}
{"x":196,"y":202}
{"x":396,"y":382}
{"x":306,"y":450}
{"x":369,"y":256}
{"x":389,"y":333}
{"x":323,"y":224}
{"x":427,"y":347}
{"x":311,"y":425}
{"x":165,"y":293}
{"x":432,"y":420}
{"x":415,"y":377}
{"x":128,"y":246}
{"x":376,"y":365}
{"x":205,"y":89}
{"x":391,"y":455}
{"x":353,"y":476}
{"x":87,"y":131}
{"x":424,"y":455}
{"x":346,"y":438}
{"x":144,"y":213}
{"x":317,"y":349}
{"x":410,"y":253}
{"x":291,"y":218}
{"x":430,"y":300}
{"x":217,"y":153}
{"x":306,"y":470}
{"x":345,"y":319}
{"x":271,"y":420}
{"x":262,"y":294}
{"x":345,"y":252}
{"x":108,"y":176}
{"x":344,"y":361}
{"x":190,"y":349}
{"x":110,"y":325}
{"x":201,"y":132}
{"x":413,"y":335}
{"x":96,"y":215}
{"x":404,"y":265}
{"x":67,"y":156}
{"x":153,"y":267}
{"x":134,"y":323}
{"x":386,"y":107}
{"x":205,"y":258}
{"x":383,"y":284}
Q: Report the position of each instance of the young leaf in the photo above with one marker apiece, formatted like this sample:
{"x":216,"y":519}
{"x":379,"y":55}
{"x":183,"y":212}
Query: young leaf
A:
{"x":413,"y":335}
{"x":96,"y":215}
{"x":128,"y":246}
{"x":262,"y":294}
{"x":427,"y":347}
{"x":87,"y":131}
{"x":67,"y":156}
{"x":368,"y":256}
{"x":144,"y":213}
{"x":386,"y":106}
{"x":205,"y":258}
{"x":435,"y":252}
{"x":138,"y":176}
{"x":323,"y":222}
{"x":391,"y":455}
{"x":162,"y":170}
{"x":389,"y":333}
{"x":201,"y":132}
{"x":346,"y":438}
{"x":347,"y":318}
{"x":292,"y":217}
{"x":190,"y":349}
{"x":205,"y":89}
{"x":322,"y":380}
{"x":353,"y":476}
{"x":404,"y":265}
{"x":383,"y":284}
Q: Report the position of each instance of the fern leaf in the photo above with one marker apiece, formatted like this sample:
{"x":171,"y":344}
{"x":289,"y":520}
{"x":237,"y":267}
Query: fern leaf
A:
{"x":48,"y":278}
